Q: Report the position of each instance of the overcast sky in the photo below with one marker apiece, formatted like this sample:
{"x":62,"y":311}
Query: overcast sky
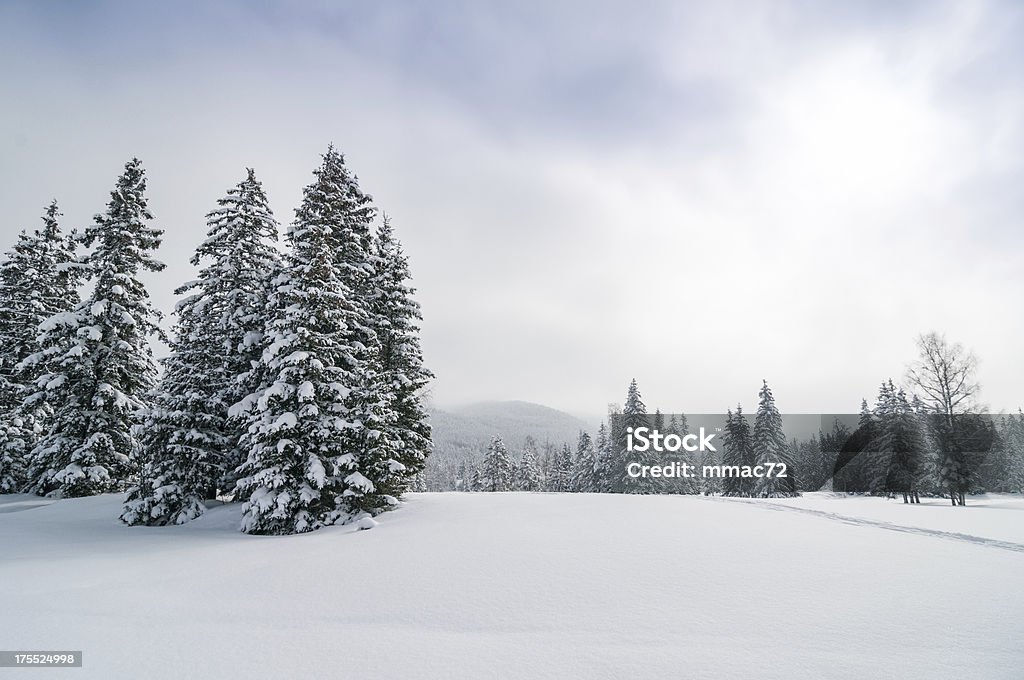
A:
{"x":698,"y":196}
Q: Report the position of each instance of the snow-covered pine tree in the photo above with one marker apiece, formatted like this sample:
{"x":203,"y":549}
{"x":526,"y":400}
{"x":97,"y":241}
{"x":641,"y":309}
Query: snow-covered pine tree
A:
{"x":566,"y":465}
{"x":605,"y":461}
{"x":736,"y":442}
{"x":707,"y":485}
{"x":874,"y":463}
{"x":17,"y":341}
{"x":190,"y":448}
{"x":318,"y":451}
{"x":584,"y":474}
{"x":809,"y":463}
{"x":634,"y":415}
{"x":97,"y":361}
{"x":496,"y":469}
{"x":38,"y":278}
{"x":678,"y":425}
{"x":528,"y":476}
{"x":770,"y":446}
{"x":1013,"y":436}
{"x":403,"y":375}
{"x":898,"y":451}
{"x":374,"y":473}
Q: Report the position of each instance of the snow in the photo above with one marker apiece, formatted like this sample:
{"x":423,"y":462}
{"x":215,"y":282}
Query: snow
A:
{"x":516,"y":585}
{"x":57,"y":320}
{"x":285,"y":421}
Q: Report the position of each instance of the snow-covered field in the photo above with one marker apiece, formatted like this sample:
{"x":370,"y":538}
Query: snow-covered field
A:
{"x":527,"y":586}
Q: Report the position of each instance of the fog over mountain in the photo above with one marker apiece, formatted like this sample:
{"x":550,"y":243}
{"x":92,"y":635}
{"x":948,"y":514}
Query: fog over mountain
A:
{"x":467,"y":430}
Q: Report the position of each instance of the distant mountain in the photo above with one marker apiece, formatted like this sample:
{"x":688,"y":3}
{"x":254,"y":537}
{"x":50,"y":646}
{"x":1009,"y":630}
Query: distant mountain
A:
{"x":467,"y":430}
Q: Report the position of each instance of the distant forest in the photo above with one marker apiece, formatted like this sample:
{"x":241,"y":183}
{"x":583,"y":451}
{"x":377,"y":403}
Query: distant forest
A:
{"x":925,"y":438}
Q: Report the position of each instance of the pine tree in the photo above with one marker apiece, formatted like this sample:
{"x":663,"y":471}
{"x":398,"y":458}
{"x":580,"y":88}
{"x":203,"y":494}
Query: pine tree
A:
{"x":736,"y":453}
{"x":375,"y":472}
{"x":97,"y":360}
{"x":403,"y":375}
{"x":528,"y":470}
{"x":17,"y":342}
{"x":678,"y":426}
{"x":190,"y":447}
{"x":605,"y":461}
{"x":317,"y":441}
{"x":584,"y":474}
{"x":708,"y":485}
{"x":809,"y":464}
{"x":634,"y":415}
{"x":38,"y":278}
{"x":874,"y":461}
{"x":1013,"y":436}
{"x":564,"y":464}
{"x":899,"y":450}
{"x":496,"y":470}
{"x":770,"y":446}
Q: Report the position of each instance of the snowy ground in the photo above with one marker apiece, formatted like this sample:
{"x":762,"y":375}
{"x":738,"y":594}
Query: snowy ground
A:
{"x":527,"y":586}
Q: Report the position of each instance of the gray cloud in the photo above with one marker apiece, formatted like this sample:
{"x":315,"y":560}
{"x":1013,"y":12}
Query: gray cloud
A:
{"x":580,"y":186}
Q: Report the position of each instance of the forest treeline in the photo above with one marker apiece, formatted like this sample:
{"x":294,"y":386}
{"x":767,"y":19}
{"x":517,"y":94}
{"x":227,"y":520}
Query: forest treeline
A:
{"x":931,"y":443}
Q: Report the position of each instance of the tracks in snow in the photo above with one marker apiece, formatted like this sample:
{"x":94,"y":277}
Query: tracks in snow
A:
{"x":857,"y":521}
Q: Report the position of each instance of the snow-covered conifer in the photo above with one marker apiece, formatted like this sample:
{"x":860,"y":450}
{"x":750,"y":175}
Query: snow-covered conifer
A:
{"x":634,"y":415}
{"x":770,"y":446}
{"x":396,"y":318}
{"x":38,"y":278}
{"x":190,"y":448}
{"x":319,"y":444}
{"x":707,"y":485}
{"x":96,"y":359}
{"x":735,"y":453}
{"x":896,"y":458}
{"x":584,"y":473}
{"x":496,"y":470}
{"x":604,"y":460}
{"x":528,"y":476}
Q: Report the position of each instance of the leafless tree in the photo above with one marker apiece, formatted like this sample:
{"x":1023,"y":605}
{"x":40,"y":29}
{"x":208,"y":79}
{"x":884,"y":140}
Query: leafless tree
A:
{"x":944,"y":377}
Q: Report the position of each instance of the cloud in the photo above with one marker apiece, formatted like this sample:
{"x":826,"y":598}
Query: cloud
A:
{"x":696,"y":195}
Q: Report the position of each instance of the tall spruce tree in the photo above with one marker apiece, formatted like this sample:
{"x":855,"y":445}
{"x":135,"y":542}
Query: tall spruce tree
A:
{"x":736,"y":454}
{"x":190,"y":447}
{"x":528,"y":471}
{"x":678,"y":425}
{"x":38,"y":278}
{"x":770,"y":446}
{"x":376,"y":473}
{"x":634,"y":415}
{"x":403,"y":375}
{"x":496,"y":470}
{"x":1013,"y":438}
{"x":97,"y":362}
{"x":17,"y":341}
{"x":565,"y":465}
{"x":605,"y":460}
{"x":707,"y":485}
{"x":584,"y":476}
{"x":897,"y":454}
{"x":318,"y":450}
